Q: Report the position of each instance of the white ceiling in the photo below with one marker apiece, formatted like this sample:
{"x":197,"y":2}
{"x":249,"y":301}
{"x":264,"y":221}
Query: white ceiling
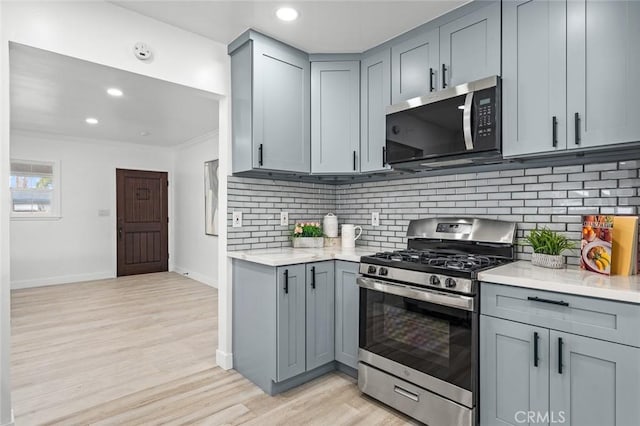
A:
{"x":52,"y":93}
{"x":323,"y":26}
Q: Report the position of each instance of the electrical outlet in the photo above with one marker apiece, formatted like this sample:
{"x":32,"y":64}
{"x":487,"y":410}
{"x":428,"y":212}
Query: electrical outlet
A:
{"x":375,"y":218}
{"x":237,"y":219}
{"x":284,"y":218}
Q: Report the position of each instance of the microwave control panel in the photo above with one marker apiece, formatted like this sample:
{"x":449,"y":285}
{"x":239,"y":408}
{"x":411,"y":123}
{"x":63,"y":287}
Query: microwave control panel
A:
{"x":485,"y":115}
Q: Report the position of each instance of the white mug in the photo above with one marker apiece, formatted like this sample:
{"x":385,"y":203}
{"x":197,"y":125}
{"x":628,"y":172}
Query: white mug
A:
{"x":349,"y":236}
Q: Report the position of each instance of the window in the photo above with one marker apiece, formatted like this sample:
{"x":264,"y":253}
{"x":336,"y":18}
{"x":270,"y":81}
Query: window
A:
{"x":35,"y":189}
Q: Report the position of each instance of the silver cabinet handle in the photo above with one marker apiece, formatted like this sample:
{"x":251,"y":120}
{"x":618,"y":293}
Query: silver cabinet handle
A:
{"x":406,"y":393}
{"x":466,"y":121}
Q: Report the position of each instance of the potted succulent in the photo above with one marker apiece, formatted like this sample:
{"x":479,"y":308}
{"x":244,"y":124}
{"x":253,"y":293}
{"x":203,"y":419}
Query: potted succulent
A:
{"x":547,"y":247}
{"x":307,"y":235}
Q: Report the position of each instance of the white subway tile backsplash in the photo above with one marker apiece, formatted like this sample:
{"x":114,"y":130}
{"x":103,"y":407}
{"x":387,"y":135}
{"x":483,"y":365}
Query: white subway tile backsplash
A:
{"x":555,"y":197}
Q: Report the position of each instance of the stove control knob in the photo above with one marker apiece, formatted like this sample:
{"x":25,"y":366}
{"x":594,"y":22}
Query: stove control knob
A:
{"x":372,"y":269}
{"x":383,"y":271}
{"x":450,"y":283}
{"x":434,"y":280}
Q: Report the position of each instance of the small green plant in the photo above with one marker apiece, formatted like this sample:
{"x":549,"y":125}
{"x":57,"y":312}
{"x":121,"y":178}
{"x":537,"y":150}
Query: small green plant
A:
{"x":307,"y":229}
{"x":546,"y":241}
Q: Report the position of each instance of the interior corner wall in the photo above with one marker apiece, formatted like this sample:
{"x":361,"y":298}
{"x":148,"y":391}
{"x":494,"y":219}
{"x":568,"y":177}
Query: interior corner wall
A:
{"x":81,"y":245}
{"x":195,"y":253}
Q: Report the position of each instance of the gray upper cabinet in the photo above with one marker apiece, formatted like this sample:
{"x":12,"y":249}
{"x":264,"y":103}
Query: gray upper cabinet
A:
{"x":603,"y":66}
{"x":290,"y":322}
{"x":320,"y":314}
{"x":335,"y":117}
{"x":347,"y":313}
{"x":270,"y":88}
{"x":534,"y":77}
{"x":470,"y":47}
{"x":511,"y":380}
{"x":414,"y":64}
{"x":375,"y":96}
{"x":594,"y":382}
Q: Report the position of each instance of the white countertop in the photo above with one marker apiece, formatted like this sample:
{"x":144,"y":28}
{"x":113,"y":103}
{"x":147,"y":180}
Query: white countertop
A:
{"x":290,"y":256}
{"x":571,"y":280}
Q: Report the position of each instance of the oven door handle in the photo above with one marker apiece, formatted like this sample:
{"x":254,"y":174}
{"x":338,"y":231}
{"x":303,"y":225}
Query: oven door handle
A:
{"x":425,"y":295}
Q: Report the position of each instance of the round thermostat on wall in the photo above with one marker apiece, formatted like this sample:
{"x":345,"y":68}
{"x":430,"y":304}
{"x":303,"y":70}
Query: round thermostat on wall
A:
{"x":142,"y":51}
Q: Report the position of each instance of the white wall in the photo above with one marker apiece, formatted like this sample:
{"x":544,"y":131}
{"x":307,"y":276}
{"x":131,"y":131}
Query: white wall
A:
{"x":5,"y":311}
{"x":104,"y":33}
{"x":81,"y":245}
{"x":195,"y":253}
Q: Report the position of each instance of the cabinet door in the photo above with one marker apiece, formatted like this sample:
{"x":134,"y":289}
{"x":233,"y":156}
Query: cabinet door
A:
{"x":414,"y":67}
{"x":281,"y":138}
{"x":335,"y":117}
{"x":290,"y":347}
{"x":599,"y":383}
{"x":470,"y":46}
{"x":603,"y":68}
{"x":347,"y":313}
{"x":533,"y":77}
{"x":320,"y":314}
{"x":510,"y":382}
{"x":375,"y":95}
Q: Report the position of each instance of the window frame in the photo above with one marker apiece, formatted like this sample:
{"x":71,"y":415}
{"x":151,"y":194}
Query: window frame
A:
{"x":55,"y":212}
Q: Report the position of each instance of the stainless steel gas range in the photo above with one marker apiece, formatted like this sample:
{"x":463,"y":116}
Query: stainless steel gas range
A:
{"x":419,"y":317}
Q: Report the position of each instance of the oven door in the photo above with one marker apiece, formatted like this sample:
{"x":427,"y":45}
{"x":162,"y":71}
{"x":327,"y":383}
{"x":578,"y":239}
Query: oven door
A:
{"x":425,"y":336}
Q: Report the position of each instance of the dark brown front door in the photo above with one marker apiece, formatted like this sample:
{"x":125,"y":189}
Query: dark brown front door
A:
{"x":142,"y":222}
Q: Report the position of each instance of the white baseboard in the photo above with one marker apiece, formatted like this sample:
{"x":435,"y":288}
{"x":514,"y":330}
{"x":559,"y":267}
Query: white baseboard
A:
{"x":63,"y":279}
{"x":12,"y":422}
{"x":224,"y":359}
{"x":204,"y":279}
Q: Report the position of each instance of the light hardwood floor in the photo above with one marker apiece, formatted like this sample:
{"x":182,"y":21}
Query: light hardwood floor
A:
{"x":141,"y":350}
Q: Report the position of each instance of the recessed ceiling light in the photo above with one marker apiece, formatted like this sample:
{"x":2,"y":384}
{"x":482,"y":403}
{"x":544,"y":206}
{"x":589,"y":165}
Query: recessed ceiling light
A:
{"x":287,"y":14}
{"x":91,"y":120}
{"x":144,"y":133}
{"x":114,"y":92}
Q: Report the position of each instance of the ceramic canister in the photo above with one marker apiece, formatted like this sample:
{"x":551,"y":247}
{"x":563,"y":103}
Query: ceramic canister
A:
{"x":330,"y":225}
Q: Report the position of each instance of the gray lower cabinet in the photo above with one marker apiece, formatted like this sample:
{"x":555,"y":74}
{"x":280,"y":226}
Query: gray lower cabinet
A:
{"x":414,"y":65}
{"x":531,"y":372}
{"x":534,"y":76}
{"x":510,"y":381}
{"x":283,"y":323}
{"x":335,"y":117}
{"x":347,"y":313}
{"x":320,"y":314}
{"x":470,"y":47}
{"x":270,"y":89}
{"x":593,"y":382}
{"x":375,"y":96}
{"x":291,"y":318}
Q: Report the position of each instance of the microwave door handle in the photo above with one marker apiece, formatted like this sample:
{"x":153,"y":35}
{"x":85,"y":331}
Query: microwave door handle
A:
{"x":466,"y":122}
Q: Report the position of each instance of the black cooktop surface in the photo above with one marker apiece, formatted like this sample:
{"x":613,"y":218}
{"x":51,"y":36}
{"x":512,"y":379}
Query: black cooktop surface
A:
{"x":436,"y":261}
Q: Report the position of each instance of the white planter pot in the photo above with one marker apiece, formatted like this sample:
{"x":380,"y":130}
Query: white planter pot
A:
{"x":547,"y":260}
{"x":308,"y":242}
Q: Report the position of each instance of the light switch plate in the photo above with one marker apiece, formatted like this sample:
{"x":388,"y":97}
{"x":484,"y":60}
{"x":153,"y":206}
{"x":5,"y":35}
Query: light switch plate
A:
{"x":284,"y":218}
{"x":375,"y":218}
{"x":237,"y":219}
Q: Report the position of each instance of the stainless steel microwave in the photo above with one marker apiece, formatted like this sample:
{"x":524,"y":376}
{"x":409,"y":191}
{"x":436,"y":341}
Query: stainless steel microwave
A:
{"x":456,"y":126}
